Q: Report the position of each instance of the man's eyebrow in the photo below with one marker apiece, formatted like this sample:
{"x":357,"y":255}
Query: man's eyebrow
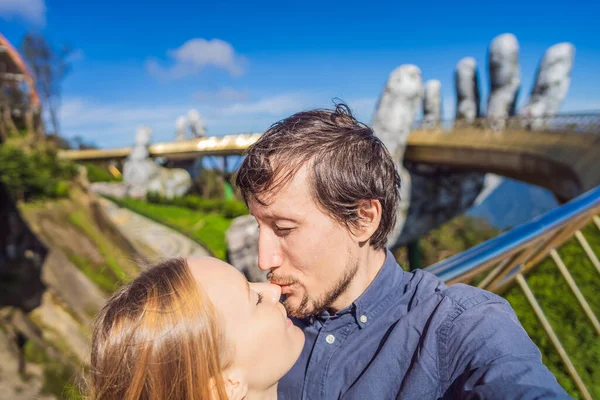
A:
{"x":278,"y":217}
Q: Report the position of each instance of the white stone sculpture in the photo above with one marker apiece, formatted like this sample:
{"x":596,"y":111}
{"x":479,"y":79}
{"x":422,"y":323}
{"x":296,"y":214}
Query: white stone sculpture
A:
{"x":467,"y":90}
{"x":551,"y":85}
{"x":180,"y":128}
{"x":397,"y":108}
{"x":429,"y":195}
{"x":197,"y":127}
{"x":505,"y":79}
{"x":394,"y":117}
{"x":432,"y":104}
{"x":142,"y":175}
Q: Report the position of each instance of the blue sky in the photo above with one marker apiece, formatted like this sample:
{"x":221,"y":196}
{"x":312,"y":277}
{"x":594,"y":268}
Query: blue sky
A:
{"x":244,"y":65}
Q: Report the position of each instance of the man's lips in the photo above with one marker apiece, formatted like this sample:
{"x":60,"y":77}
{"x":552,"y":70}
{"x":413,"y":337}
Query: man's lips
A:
{"x":286,"y":288}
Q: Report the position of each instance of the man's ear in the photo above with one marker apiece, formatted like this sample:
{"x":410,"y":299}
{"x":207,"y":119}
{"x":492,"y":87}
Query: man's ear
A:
{"x":369,"y":214}
{"x":235,"y":386}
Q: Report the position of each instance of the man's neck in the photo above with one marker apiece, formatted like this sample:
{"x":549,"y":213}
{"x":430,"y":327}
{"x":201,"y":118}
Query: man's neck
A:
{"x":269,"y":394}
{"x":370,"y":263}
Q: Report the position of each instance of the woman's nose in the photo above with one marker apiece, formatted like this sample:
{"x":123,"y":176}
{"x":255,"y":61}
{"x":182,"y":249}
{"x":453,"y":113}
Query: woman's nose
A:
{"x":269,"y":290}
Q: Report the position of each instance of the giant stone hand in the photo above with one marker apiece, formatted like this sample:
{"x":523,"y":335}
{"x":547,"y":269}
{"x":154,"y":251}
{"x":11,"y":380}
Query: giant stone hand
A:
{"x":432,"y":195}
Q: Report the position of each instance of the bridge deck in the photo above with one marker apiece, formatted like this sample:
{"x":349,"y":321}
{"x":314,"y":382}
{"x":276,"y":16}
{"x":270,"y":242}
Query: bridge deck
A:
{"x":566,"y":163}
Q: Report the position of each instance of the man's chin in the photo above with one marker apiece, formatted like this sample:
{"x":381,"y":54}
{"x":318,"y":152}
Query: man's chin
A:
{"x":293,"y":306}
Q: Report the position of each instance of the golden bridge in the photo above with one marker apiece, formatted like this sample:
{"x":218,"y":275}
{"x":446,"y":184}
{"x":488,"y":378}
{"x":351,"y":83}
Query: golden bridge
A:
{"x":563,"y":158}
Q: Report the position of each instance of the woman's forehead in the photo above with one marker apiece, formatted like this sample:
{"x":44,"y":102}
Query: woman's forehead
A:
{"x":223,"y":283}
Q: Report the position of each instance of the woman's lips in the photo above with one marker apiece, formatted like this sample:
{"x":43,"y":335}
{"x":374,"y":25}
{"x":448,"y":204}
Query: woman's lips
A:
{"x":288,"y":321}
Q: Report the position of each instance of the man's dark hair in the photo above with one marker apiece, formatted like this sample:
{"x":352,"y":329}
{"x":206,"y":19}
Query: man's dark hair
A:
{"x":347,"y":163}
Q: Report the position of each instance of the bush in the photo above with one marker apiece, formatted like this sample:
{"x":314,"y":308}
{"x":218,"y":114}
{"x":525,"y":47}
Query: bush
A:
{"x":227,"y":208}
{"x":100,"y":174}
{"x":35,"y":173}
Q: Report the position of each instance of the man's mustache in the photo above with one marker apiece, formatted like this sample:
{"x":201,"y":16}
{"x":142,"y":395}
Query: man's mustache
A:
{"x":280,"y":280}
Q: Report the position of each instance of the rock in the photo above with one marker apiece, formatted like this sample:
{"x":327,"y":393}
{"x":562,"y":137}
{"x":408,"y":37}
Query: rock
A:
{"x":437,"y":195}
{"x":171,"y":182}
{"x":242,"y":247}
{"x":551,"y":85}
{"x":13,"y":385}
{"x":111,"y":189}
{"x":61,"y":329}
{"x":467,"y":90}
{"x":432,"y":104}
{"x":142,"y":175}
{"x":22,"y":256}
{"x":505,"y":79}
{"x":81,"y":296}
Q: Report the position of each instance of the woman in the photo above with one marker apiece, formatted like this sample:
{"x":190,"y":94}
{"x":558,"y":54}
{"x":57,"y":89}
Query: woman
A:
{"x":192,"y":329}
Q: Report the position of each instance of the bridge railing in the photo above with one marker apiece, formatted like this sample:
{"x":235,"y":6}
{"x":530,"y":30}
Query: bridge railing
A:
{"x":505,"y":260}
{"x":583,"y":123}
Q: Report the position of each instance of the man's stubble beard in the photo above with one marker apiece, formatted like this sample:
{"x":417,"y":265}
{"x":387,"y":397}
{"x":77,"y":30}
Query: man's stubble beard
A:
{"x":310,"y":306}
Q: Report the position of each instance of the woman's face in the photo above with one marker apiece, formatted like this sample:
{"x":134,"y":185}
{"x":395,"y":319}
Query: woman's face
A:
{"x":266,"y":342}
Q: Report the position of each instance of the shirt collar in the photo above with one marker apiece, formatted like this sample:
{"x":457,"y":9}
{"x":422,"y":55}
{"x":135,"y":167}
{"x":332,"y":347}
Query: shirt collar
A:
{"x":386,"y":283}
{"x":373,"y":301}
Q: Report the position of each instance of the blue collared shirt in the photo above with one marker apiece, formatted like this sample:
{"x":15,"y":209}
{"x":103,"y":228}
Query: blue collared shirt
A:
{"x":410,"y":336}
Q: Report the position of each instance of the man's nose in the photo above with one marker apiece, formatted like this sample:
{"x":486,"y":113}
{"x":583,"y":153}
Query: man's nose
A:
{"x":269,"y":254}
{"x":268,"y":290}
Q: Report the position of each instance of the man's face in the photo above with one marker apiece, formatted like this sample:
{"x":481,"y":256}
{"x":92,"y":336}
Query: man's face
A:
{"x":308,"y":253}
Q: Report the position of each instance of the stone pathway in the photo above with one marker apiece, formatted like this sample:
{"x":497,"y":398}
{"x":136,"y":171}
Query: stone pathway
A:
{"x":150,"y":239}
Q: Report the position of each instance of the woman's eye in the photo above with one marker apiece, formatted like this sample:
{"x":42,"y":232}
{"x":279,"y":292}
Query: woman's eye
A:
{"x":260,"y":298}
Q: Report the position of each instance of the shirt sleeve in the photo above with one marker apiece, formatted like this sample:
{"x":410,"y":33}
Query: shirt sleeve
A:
{"x":488,"y":355}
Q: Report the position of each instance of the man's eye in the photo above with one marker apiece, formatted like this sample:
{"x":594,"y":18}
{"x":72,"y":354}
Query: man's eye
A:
{"x":282,"y":229}
{"x":260,"y":298}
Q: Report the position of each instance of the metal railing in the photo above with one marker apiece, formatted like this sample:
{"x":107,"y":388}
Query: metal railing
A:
{"x":506,"y":259}
{"x":582,"y":123}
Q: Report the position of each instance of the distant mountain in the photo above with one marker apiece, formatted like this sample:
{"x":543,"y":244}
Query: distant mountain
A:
{"x":513,"y":203}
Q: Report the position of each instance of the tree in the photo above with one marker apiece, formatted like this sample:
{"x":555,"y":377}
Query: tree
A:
{"x":49,"y":67}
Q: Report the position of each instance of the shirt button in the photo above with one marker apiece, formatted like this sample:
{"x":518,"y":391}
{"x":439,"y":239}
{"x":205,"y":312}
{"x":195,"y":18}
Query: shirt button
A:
{"x":363,"y":319}
{"x":330,"y":339}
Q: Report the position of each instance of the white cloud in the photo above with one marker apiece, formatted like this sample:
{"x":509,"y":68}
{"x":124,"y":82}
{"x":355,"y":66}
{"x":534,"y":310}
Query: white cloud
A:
{"x":275,"y":105}
{"x":195,"y":55}
{"x":33,"y":11}
{"x":114,"y":125}
{"x":223,"y":94}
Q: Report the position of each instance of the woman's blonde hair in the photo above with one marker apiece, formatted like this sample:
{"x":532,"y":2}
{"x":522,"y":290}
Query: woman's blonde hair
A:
{"x":158,"y":338}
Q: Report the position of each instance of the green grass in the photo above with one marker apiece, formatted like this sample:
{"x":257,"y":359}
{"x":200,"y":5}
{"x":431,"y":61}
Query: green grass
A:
{"x":81,"y":221}
{"x":58,"y":376}
{"x":208,"y":229}
{"x":105,"y":280}
{"x":565,"y":314}
{"x":97,"y":173}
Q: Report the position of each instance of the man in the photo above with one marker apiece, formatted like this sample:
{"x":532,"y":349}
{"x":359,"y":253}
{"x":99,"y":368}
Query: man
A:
{"x":324,"y":191}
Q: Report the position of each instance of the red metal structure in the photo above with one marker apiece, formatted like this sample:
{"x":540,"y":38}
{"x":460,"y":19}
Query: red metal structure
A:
{"x":13,"y":67}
